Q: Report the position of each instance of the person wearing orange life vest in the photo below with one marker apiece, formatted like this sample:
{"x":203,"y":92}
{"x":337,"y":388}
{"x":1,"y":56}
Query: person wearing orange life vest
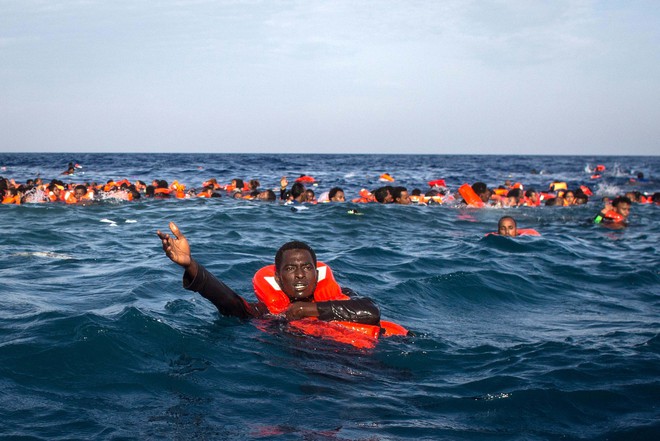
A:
{"x":615,"y":214}
{"x":475,"y":195}
{"x":507,"y":226}
{"x":295,"y":273}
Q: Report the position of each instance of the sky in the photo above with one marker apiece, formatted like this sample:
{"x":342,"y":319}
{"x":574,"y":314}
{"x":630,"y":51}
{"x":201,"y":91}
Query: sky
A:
{"x":355,"y":76}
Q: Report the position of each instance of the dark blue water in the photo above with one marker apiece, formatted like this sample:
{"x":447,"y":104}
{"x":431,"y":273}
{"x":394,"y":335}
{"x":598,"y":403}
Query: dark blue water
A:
{"x":555,"y":337}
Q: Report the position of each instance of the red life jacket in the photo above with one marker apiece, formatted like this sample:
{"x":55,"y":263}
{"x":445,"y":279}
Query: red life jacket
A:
{"x":437,"y":182}
{"x":359,"y":335}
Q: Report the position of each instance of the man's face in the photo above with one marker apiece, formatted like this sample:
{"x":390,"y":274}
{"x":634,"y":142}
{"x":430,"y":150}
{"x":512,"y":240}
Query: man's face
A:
{"x":338,"y":197}
{"x":485,"y":196}
{"x":623,"y":209}
{"x":507,"y":227}
{"x":404,"y":199}
{"x":297,"y":274}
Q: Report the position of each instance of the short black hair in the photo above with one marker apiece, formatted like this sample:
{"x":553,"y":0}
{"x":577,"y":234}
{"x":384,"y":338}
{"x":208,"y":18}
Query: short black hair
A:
{"x":381,"y":193}
{"x":479,"y":187}
{"x":621,"y":199}
{"x":297,"y":189}
{"x":333,"y":191}
{"x":396,"y":192}
{"x":293,"y":245}
{"x":514,"y":193}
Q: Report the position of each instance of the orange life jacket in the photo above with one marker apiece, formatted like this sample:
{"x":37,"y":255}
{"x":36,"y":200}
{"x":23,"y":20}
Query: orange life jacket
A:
{"x":365,"y":196}
{"x":162,"y":191}
{"x":586,"y":190}
{"x":12,"y":200}
{"x":614,"y":216}
{"x":470,"y":196}
{"x":556,"y":186}
{"x":70,"y":198}
{"x":359,"y":335}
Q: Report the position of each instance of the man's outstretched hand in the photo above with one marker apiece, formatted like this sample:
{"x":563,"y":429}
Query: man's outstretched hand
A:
{"x":177,"y":247}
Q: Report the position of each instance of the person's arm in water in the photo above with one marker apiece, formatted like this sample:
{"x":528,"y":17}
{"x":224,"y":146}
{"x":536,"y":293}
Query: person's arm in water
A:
{"x":197,"y":278}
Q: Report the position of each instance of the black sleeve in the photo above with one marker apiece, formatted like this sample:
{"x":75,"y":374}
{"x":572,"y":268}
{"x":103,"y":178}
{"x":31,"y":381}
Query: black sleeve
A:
{"x":362,"y":311}
{"x":223,"y":297}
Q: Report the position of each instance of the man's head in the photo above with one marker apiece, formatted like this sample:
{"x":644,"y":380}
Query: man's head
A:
{"x":266,"y":195}
{"x":507,"y":226}
{"x":79,"y":191}
{"x":237,"y":184}
{"x":298,"y":192}
{"x":384,"y":195}
{"x":400,"y":195}
{"x":336,"y":194}
{"x":295,"y":270}
{"x":481,"y":189}
{"x":622,"y":206}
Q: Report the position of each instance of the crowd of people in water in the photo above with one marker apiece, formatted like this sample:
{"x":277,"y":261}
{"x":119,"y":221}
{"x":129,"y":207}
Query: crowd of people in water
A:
{"x":302,"y":191}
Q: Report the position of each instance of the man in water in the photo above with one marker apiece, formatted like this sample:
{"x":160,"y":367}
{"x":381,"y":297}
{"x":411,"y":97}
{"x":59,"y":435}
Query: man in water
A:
{"x":295,"y":273}
{"x":616,"y":214}
{"x":336,"y":194}
{"x":507,"y":226}
{"x":482,"y":190}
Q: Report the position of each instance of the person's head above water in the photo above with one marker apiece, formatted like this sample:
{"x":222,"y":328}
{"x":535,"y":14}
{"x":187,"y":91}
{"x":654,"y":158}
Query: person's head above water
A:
{"x":336,"y":194}
{"x":295,"y":270}
{"x":507,"y":226}
{"x":481,"y":189}
{"x":622,"y":206}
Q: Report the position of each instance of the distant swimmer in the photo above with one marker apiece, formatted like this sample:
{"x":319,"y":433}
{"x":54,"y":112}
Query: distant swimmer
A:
{"x":71,"y":169}
{"x":507,"y":226}
{"x":386,"y":177}
{"x":297,"y":287}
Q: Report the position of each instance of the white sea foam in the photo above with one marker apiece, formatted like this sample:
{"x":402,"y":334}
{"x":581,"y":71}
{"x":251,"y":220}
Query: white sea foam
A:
{"x":44,"y":254}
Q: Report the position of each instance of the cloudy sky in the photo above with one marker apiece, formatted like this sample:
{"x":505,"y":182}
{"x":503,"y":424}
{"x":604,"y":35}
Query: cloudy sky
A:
{"x":372,"y":76}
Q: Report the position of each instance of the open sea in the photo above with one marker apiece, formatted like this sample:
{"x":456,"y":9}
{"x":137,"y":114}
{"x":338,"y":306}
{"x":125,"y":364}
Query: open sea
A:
{"x":533,"y":338}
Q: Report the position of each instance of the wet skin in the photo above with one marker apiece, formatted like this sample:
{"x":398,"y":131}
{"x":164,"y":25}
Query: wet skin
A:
{"x":507,"y":227}
{"x":297,"y":275}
